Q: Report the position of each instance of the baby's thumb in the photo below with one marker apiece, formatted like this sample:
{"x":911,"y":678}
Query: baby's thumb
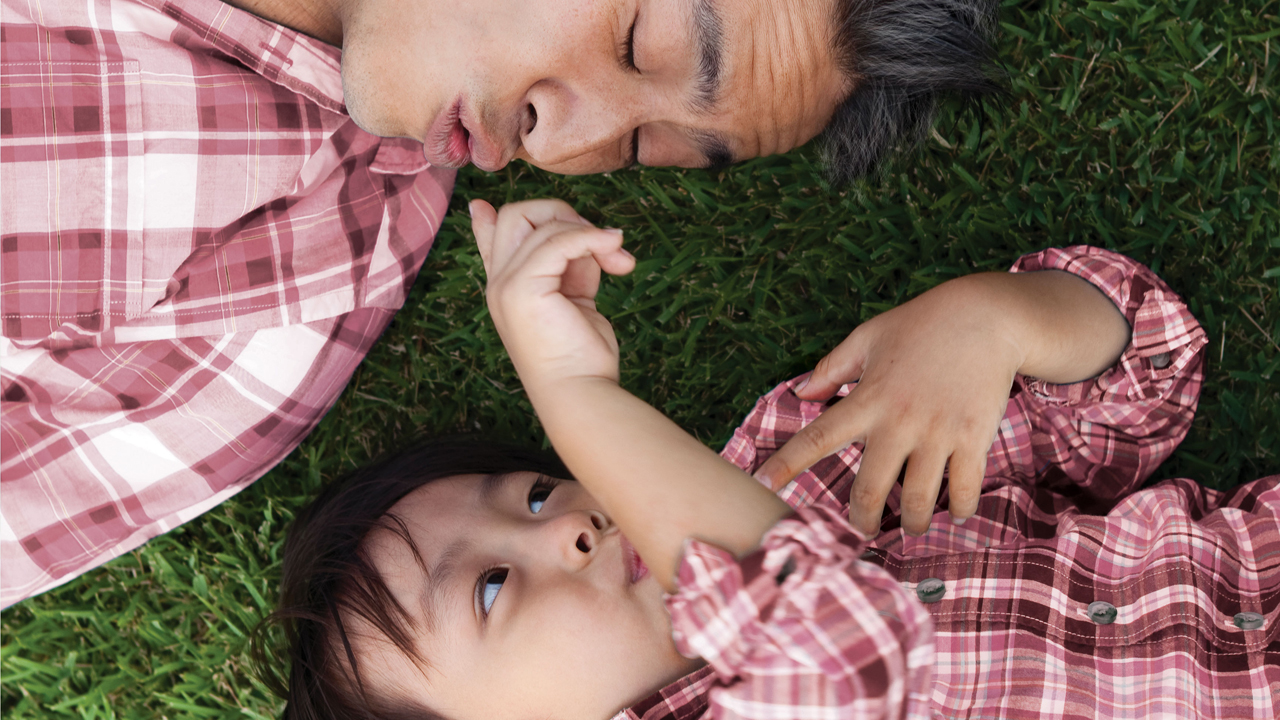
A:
{"x":483,"y":221}
{"x":842,"y":365}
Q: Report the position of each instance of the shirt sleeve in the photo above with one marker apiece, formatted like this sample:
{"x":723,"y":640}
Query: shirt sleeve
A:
{"x":1100,"y":438}
{"x":802,"y":627}
{"x":1094,"y":440}
{"x":106,"y":447}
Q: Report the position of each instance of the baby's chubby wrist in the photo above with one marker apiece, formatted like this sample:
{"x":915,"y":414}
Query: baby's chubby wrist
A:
{"x":987,"y":301}
{"x":551,"y":387}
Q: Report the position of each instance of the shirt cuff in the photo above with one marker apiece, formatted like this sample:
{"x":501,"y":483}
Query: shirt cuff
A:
{"x":1165,"y":342}
{"x":803,"y":603}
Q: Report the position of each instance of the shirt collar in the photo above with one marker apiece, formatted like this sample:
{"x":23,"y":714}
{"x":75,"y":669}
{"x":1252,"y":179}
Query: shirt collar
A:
{"x":683,"y":699}
{"x":307,"y":66}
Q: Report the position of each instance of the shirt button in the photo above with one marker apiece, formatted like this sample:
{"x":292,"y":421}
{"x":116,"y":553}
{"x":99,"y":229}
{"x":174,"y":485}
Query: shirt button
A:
{"x":1249,"y":621}
{"x":1102,"y":613}
{"x":930,"y":590}
{"x":1160,"y":361}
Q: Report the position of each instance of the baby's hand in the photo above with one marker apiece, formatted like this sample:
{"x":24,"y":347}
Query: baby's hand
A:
{"x":934,"y":377}
{"x":543,"y":261}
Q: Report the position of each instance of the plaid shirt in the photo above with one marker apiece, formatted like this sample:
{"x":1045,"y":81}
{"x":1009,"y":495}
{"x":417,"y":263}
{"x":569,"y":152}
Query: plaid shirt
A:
{"x":198,"y":247}
{"x":1071,"y":594}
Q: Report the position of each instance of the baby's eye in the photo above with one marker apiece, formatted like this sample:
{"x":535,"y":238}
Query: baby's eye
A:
{"x":489,"y":587}
{"x":540,"y":492}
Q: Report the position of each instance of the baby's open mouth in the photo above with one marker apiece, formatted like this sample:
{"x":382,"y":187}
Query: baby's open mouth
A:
{"x":635,"y":567}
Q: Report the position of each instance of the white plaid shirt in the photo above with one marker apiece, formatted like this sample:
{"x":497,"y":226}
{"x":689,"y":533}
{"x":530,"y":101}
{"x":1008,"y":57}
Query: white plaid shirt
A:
{"x":197,"y":245}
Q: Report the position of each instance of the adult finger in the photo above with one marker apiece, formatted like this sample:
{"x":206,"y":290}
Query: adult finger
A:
{"x":920,"y":486}
{"x":965,"y":472}
{"x":878,"y":472}
{"x":843,"y":364}
{"x":483,"y":220}
{"x":842,"y":424}
{"x":517,"y":221}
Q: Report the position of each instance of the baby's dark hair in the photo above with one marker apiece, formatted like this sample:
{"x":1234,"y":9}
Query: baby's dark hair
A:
{"x":302,"y":650}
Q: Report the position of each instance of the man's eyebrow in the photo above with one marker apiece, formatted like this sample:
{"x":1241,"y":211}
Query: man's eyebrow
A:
{"x":708,"y":39}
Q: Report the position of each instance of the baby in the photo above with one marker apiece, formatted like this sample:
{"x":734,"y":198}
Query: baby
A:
{"x":648,"y":577}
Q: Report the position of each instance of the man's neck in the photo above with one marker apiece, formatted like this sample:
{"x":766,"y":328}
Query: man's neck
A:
{"x":317,"y":18}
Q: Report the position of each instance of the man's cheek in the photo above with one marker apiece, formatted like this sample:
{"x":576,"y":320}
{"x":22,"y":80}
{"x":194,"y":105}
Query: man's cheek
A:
{"x":581,"y":165}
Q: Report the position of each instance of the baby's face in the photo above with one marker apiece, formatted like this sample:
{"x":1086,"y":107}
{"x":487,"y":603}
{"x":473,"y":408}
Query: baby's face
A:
{"x":530,"y":605}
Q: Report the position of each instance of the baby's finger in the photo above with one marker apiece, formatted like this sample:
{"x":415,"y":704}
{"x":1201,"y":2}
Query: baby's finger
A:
{"x":516,"y":221}
{"x":582,"y":277}
{"x":844,"y":364}
{"x":540,"y":266}
{"x":831,"y":431}
{"x":876,"y":476}
{"x":483,"y":220}
{"x":965,"y":471}
{"x":920,"y":488}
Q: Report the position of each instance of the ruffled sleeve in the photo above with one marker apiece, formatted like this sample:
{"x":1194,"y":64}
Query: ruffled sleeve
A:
{"x":802,"y":627}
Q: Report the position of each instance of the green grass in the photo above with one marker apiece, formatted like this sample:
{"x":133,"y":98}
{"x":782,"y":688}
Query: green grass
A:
{"x":1148,"y":127}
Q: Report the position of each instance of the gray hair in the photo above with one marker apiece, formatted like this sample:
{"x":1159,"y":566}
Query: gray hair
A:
{"x":904,"y":57}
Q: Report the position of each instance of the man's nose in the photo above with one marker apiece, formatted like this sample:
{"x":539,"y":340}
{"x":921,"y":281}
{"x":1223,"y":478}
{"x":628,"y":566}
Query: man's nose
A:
{"x":565,"y":123}
{"x":576,"y":536}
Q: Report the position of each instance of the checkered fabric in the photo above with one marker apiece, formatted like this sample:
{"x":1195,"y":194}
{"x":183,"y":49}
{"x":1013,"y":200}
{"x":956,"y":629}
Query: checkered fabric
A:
{"x":197,"y":246}
{"x":1071,"y":594}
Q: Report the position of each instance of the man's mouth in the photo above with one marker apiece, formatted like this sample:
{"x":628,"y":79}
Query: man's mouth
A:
{"x":448,"y":144}
{"x":635,"y":567}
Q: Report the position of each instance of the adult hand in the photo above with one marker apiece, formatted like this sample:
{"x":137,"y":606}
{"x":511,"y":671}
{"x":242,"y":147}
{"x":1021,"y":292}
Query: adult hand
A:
{"x":543,"y":263}
{"x":933,"y":383}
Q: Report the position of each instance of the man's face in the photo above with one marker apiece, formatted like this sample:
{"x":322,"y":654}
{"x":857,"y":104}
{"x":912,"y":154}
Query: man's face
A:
{"x":530,"y":605}
{"x":580,"y":86}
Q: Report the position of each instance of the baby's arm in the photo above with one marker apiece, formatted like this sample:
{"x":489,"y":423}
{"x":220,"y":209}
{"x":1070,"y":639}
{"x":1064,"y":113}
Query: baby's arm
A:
{"x":658,"y":483}
{"x":934,"y":379}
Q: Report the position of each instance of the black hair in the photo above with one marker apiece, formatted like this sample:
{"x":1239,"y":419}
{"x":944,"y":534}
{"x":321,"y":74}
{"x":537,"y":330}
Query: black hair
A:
{"x":904,"y":57}
{"x":328,"y":578}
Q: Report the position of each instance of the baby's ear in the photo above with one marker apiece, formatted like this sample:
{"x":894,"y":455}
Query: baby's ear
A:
{"x":483,"y":220}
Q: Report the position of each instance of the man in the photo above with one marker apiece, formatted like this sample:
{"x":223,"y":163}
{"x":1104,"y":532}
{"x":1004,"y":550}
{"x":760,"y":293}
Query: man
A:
{"x":204,"y":227}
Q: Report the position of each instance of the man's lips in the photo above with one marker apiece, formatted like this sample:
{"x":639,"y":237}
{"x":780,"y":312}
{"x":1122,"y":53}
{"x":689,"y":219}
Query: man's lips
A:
{"x":635,"y":567}
{"x":456,"y":137}
{"x":448,"y":143}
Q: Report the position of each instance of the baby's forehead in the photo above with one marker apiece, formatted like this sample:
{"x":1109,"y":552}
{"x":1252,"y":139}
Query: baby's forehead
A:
{"x":442,"y":513}
{"x":429,"y":514}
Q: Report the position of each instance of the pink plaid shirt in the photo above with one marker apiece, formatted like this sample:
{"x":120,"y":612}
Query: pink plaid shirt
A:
{"x":1071,"y":593}
{"x":198,"y":247}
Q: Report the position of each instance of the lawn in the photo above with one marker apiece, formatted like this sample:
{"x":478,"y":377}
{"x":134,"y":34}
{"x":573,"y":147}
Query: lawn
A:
{"x":1144,"y":126}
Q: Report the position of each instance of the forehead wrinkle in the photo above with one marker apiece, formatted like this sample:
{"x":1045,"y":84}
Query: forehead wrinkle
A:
{"x":708,"y":38}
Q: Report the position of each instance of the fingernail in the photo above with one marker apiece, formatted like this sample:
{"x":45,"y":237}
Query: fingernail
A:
{"x":471,"y":209}
{"x":957,"y":520}
{"x":615,"y":231}
{"x":624,"y":252}
{"x":803,"y":383}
